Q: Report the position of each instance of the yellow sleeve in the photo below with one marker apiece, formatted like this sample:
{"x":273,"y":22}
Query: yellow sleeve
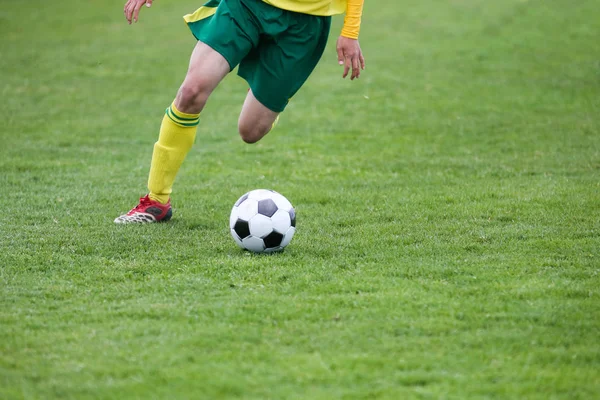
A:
{"x":354,"y":9}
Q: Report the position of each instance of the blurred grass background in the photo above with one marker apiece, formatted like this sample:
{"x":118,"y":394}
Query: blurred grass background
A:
{"x":448,"y":212}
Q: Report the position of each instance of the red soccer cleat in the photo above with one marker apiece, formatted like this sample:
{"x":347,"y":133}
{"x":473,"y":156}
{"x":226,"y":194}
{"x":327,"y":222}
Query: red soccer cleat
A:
{"x":146,"y":212}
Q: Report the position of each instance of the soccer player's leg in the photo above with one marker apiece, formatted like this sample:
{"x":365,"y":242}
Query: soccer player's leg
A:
{"x":177,"y":134}
{"x":278,"y":68}
{"x":226,"y":35}
{"x":256,"y":119}
{"x":178,"y":129}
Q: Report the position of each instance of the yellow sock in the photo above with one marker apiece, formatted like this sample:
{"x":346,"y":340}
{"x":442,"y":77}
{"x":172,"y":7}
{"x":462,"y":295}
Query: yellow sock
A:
{"x":177,"y":134}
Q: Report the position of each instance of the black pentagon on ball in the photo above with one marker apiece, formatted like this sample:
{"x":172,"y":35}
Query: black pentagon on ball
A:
{"x":241,"y":200}
{"x":267,"y":207}
{"x":242,"y":228}
{"x":293,"y":217}
{"x":273,"y":239}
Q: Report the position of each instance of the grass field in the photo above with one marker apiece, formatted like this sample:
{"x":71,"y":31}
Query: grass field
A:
{"x":448,"y":205}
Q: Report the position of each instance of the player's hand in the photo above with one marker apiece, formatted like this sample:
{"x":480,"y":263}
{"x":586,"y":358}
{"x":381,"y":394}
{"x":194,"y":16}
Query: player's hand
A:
{"x":350,"y":56}
{"x":132,"y":9}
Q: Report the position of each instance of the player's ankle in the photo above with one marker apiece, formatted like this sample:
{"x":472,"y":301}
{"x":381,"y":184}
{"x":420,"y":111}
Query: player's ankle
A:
{"x":162,"y":199}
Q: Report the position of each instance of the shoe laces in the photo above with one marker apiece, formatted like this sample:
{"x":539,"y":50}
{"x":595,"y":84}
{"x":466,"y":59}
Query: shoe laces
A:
{"x":144,"y":202}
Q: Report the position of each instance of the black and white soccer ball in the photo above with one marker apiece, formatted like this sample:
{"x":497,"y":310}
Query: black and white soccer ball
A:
{"x":262,"y":221}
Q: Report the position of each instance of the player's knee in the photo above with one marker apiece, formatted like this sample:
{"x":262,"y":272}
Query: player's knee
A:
{"x":191,"y":98}
{"x":251,"y":133}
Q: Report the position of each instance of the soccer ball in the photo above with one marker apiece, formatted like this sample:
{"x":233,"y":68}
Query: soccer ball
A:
{"x":262,"y":221}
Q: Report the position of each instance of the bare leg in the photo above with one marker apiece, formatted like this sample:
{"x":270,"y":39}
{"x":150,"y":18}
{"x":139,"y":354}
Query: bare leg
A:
{"x":256,"y":120}
{"x":207,"y":69}
{"x":179,"y":126}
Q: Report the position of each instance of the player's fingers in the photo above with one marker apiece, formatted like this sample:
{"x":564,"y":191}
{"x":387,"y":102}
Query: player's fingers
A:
{"x":127,"y":11}
{"x":148,"y":3}
{"x":362,"y":61}
{"x":131,"y":10}
{"x":340,"y":54}
{"x":347,"y":66}
{"x":355,"y":67}
{"x":136,"y":11}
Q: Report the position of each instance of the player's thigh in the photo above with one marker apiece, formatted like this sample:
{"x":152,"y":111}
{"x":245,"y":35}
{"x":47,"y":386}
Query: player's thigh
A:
{"x":207,"y":68}
{"x":225,"y":36}
{"x":255,"y":118}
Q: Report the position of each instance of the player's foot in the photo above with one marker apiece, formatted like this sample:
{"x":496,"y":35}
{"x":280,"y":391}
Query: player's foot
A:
{"x":147,"y":211}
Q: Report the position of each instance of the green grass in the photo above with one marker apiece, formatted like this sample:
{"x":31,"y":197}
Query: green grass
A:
{"x":448,"y":206}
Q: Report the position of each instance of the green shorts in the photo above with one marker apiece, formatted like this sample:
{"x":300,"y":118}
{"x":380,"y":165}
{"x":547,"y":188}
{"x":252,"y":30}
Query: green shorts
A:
{"x":276,"y":49}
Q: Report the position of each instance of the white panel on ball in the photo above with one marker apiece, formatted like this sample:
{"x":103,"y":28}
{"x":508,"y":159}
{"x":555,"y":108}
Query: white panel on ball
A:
{"x":281,"y":202}
{"x":260,"y":225}
{"x":260,"y":194}
{"x":248,"y":209}
{"x":281,"y":221}
{"x":254,"y":244}
{"x":287,"y":237}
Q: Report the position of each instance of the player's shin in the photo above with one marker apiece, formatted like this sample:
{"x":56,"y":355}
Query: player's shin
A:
{"x":177,"y":134}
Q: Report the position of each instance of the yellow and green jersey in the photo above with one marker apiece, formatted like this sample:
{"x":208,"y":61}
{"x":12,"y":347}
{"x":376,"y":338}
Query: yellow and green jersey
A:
{"x":313,"y":7}
{"x":352,"y":8}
